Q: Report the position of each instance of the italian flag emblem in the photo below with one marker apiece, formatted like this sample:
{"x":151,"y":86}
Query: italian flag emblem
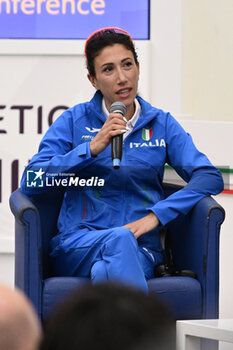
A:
{"x":147,"y":134}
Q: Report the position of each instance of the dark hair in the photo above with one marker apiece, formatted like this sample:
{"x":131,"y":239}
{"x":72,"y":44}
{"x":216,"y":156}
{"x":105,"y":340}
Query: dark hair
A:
{"x":108,"y":38}
{"x":110,"y":316}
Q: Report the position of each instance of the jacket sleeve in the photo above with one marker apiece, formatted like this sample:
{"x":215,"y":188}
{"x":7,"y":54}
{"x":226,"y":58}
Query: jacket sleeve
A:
{"x":202,"y":177}
{"x":56,"y":153}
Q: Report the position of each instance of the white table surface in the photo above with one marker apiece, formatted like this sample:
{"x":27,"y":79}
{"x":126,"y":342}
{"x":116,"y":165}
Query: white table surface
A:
{"x":189,"y":332}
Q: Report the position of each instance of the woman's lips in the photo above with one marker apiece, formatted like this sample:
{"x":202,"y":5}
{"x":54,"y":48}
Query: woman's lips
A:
{"x":124,"y":92}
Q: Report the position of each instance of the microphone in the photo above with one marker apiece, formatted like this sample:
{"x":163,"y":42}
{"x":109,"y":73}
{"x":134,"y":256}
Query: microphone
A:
{"x":117,"y":141}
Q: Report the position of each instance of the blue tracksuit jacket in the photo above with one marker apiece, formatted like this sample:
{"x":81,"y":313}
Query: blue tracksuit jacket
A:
{"x":134,"y":189}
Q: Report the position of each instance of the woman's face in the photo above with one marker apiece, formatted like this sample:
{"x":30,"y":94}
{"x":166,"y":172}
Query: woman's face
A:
{"x":117,"y":76}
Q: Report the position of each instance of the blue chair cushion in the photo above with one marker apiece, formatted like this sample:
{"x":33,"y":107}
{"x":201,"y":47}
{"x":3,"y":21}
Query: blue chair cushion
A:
{"x":182,"y":294}
{"x":55,"y":288}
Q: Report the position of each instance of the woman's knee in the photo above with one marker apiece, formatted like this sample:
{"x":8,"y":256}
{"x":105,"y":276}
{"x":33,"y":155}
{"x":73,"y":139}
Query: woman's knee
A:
{"x":99,"y":272}
{"x":123,"y":233}
{"x":121,"y":238}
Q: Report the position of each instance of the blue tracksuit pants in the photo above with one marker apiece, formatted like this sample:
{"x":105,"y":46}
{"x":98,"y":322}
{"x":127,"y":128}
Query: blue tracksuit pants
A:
{"x":111,"y":254}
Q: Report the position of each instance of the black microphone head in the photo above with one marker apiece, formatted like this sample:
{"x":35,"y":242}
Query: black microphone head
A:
{"x":118,"y":107}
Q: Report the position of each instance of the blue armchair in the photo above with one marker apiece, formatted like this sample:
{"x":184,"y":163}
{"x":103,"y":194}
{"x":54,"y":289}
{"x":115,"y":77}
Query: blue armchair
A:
{"x":194,"y":241}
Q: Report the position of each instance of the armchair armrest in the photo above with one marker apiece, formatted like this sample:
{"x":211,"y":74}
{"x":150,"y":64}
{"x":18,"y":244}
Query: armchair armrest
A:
{"x":19,"y":202}
{"x":27,"y":246}
{"x":195,"y":246}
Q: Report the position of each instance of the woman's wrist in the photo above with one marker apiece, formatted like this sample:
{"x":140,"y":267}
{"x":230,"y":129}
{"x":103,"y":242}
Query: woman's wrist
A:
{"x":93,"y":149}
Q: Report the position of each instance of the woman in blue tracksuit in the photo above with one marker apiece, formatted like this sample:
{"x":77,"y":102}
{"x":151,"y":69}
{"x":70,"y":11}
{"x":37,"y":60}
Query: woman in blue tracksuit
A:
{"x":110,"y":230}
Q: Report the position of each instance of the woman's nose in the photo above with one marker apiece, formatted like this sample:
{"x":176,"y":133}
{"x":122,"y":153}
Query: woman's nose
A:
{"x":121,"y":77}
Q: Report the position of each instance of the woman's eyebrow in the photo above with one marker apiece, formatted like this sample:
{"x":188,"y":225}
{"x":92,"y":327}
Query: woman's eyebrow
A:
{"x":125,"y":59}
{"x":111,"y":63}
{"x":107,"y":64}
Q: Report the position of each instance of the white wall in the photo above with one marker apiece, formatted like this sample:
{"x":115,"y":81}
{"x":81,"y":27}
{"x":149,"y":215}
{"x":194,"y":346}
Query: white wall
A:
{"x":166,"y":60}
{"x":208,"y":59}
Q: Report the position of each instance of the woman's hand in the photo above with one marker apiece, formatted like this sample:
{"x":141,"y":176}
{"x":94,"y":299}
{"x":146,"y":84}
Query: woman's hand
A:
{"x":114,"y":125}
{"x":144,"y":225}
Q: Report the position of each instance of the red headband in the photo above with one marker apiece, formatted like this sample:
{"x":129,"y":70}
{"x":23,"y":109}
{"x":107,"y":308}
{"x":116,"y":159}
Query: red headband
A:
{"x":101,"y":31}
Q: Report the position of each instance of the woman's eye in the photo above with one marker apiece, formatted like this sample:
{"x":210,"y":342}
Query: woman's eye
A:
{"x":107,"y":69}
{"x":128,"y":64}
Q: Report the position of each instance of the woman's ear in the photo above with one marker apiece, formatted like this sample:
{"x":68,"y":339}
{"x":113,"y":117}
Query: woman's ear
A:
{"x":138,"y":67}
{"x":92,"y":80}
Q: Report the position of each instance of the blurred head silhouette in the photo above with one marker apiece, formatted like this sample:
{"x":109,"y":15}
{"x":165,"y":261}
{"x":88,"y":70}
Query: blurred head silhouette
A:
{"x":19,"y":325}
{"x":110,"y":316}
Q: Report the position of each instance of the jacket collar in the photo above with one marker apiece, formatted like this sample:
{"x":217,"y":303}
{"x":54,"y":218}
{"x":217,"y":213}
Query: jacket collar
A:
{"x":147,"y":114}
{"x":95,"y":106}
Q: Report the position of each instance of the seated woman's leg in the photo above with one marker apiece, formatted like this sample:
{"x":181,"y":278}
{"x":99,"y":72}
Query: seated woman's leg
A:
{"x":76,"y":253}
{"x":99,"y":272}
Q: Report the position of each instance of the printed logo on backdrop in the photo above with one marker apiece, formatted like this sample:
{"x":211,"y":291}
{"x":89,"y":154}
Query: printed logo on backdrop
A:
{"x":71,"y":19}
{"x":20,"y":114}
